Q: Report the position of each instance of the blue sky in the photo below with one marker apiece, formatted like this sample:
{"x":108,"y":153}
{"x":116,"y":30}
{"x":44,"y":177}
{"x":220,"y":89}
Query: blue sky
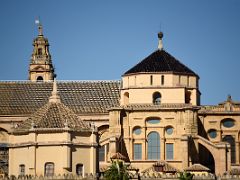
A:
{"x":100,"y":40}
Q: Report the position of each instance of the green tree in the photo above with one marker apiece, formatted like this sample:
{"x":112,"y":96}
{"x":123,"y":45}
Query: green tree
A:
{"x":117,"y":171}
{"x":185,"y":176}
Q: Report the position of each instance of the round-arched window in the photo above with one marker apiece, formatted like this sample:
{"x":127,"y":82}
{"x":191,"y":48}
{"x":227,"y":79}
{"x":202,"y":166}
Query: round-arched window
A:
{"x":212,"y":133}
{"x":137,"y":130}
{"x":157,"y":98}
{"x":39,"y":78}
{"x":169,"y":130}
{"x":228,"y":123}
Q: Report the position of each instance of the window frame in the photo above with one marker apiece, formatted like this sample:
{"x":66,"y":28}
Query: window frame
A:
{"x":137,"y":151}
{"x":169,"y":152}
{"x":153,"y":146}
{"x":79,"y":165}
{"x":22,"y":169}
{"x":49,"y":169}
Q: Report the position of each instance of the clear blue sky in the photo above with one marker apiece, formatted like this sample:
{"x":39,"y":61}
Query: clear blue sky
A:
{"x":100,"y":40}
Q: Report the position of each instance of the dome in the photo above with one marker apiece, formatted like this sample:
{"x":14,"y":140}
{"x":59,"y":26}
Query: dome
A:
{"x":160,"y":61}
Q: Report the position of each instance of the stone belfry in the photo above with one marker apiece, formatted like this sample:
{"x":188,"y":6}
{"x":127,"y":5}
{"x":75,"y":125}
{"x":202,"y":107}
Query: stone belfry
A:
{"x":41,"y":67}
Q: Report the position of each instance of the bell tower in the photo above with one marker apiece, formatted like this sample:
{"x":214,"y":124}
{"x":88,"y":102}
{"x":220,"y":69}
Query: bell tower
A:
{"x":41,"y":67}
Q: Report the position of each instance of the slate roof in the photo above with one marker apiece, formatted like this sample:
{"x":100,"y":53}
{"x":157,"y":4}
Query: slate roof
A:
{"x":53,"y":115}
{"x":25,"y":97}
{"x":160,"y":61}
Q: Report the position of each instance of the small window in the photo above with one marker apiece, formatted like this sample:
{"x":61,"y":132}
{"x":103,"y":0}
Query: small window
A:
{"x":137,"y":131}
{"x":156,"y":98}
{"x":151,"y":80}
{"x":228,"y":123}
{"x":187,"y":97}
{"x":101,"y":153}
{"x":79,"y":169}
{"x":39,"y":79}
{"x":169,"y":151}
{"x":49,"y":169}
{"x":153,"y":121}
{"x":21,"y":169}
{"x":212,"y":133}
{"x":39,"y":51}
{"x":169,"y":130}
{"x":137,"y":151}
{"x":126,"y":98}
{"x":162,"y":80}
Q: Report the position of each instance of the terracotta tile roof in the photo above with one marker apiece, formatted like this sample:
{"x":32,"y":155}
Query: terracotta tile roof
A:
{"x":197,"y":167}
{"x":167,"y":168}
{"x":25,"y":97}
{"x":153,"y":107}
{"x":53,"y":115}
{"x":118,"y":156}
{"x":160,"y":61}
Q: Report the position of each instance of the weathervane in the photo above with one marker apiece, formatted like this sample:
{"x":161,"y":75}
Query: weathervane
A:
{"x":40,"y":29}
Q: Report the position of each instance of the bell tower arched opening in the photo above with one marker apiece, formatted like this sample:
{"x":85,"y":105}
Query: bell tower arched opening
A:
{"x":156,"y":98}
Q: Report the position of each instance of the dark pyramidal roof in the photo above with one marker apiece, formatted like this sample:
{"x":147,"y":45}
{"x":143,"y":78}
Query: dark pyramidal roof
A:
{"x":26,"y":97}
{"x":160,"y":61}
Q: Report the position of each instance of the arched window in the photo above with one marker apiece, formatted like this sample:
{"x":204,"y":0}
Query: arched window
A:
{"x":231,"y":141}
{"x":79,"y":169}
{"x":39,"y":79}
{"x":21,"y":169}
{"x":162,"y":80}
{"x":126,"y":98}
{"x":157,"y":98}
{"x":153,"y":140}
{"x":49,"y":169}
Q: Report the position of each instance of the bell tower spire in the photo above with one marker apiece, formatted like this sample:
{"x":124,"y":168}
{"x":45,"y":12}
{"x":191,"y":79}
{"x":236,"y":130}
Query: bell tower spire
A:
{"x":41,"y":67}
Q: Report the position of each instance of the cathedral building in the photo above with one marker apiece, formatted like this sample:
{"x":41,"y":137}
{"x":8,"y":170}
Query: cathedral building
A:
{"x":152,"y":118}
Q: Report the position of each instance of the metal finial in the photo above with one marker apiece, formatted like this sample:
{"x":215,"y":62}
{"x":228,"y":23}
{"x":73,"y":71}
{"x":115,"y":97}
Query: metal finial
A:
{"x":160,"y":43}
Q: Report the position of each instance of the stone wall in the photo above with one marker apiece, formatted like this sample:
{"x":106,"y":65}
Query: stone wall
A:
{"x":143,"y":177}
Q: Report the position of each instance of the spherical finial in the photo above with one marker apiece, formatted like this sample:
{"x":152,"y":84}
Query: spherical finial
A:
{"x":160,"y":35}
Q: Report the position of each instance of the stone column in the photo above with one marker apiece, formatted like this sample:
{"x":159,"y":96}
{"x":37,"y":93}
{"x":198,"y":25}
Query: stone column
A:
{"x":32,"y":154}
{"x":184,"y":151}
{"x":237,"y":152}
{"x":162,"y":149}
{"x":93,"y":151}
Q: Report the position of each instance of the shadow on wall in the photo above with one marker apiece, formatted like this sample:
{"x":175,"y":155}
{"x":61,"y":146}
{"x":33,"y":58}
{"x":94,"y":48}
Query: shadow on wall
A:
{"x":206,"y":158}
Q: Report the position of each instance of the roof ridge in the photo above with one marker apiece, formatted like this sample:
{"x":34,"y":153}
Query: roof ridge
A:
{"x":50,"y":81}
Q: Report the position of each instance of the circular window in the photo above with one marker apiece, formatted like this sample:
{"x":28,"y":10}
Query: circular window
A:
{"x":212,"y":133}
{"x":169,"y":130}
{"x":137,"y":131}
{"x":228,"y":123}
